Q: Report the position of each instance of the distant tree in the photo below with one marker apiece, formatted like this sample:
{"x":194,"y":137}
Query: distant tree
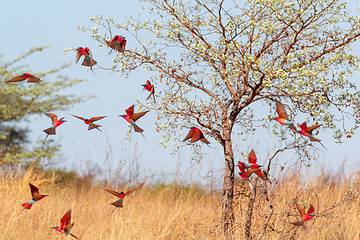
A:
{"x":19,"y":101}
{"x":216,"y":61}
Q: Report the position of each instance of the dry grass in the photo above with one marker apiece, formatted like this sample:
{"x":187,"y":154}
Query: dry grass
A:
{"x":173,"y":212}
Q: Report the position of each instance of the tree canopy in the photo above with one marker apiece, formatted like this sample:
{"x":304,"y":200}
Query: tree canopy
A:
{"x":19,"y":101}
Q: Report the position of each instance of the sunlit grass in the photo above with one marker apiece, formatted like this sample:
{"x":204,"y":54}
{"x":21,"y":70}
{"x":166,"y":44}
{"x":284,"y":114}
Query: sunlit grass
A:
{"x":170,"y":211}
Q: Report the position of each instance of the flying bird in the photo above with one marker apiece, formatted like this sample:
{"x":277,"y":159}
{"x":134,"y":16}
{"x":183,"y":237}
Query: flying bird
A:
{"x":118,"y":43}
{"x":283,"y":118}
{"x":24,"y":76}
{"x":90,"y":121}
{"x":304,"y":217}
{"x":196,"y":134}
{"x":65,"y":225}
{"x":88,"y":59}
{"x":131,"y":117}
{"x":36,"y":196}
{"x":253,"y":165}
{"x":121,"y":196}
{"x":307,"y":132}
{"x":149,"y":88}
{"x":245,"y":174}
{"x":55,"y":124}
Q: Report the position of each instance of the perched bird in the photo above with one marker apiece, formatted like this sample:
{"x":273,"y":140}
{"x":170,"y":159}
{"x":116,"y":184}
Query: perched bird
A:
{"x":65,"y":225}
{"x":121,"y":196}
{"x":196,"y":134}
{"x":150,"y":88}
{"x":118,"y":43}
{"x":245,"y":174}
{"x":88,"y":59}
{"x":252,"y":164}
{"x":304,"y":217}
{"x":90,"y":121}
{"x":307,"y":132}
{"x":36,"y":196}
{"x":283,"y":118}
{"x":131,"y":117}
{"x":24,"y":76}
{"x":55,"y":124}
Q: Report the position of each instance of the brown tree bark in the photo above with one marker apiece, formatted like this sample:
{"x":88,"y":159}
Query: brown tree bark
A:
{"x":228,"y":188}
{"x":249,"y":212}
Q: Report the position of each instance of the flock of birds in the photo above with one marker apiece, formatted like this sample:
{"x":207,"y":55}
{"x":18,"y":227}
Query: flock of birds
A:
{"x":118,"y":43}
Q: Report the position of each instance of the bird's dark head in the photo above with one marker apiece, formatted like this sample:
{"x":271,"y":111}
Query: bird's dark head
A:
{"x":122,"y":116}
{"x":78,"y":48}
{"x":122,"y":193}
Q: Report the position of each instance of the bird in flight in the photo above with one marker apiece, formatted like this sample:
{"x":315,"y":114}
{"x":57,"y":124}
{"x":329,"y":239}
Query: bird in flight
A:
{"x":304,"y":216}
{"x":149,"y":88}
{"x":90,"y":121}
{"x":307,"y":132}
{"x":121,"y":196}
{"x":36,"y":196}
{"x":118,"y":43}
{"x":196,"y":134}
{"x":252,"y":164}
{"x":24,"y":76}
{"x":88,"y":59}
{"x":283,"y":118}
{"x":65,"y":225}
{"x":55,"y":124}
{"x":245,"y":174}
{"x":131,"y":117}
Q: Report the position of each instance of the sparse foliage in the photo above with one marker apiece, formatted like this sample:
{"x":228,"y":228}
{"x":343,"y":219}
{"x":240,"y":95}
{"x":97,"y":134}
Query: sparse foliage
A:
{"x":214,"y":60}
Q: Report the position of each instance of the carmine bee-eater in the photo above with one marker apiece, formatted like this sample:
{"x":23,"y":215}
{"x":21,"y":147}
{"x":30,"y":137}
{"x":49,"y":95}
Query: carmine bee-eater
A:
{"x":131,"y":117}
{"x":196,"y":134}
{"x":121,"y":196}
{"x":88,"y":59}
{"x":90,"y":121}
{"x":65,"y":225}
{"x":24,"y":76}
{"x":283,"y":118}
{"x":245,"y":174}
{"x":307,"y":132}
{"x":118,"y":43}
{"x":304,"y":217}
{"x":150,"y":88}
{"x":253,"y":165}
{"x":36,"y":196}
{"x":55,"y":124}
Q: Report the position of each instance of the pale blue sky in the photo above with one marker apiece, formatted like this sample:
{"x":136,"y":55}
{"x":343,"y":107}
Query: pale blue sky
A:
{"x":27,"y":24}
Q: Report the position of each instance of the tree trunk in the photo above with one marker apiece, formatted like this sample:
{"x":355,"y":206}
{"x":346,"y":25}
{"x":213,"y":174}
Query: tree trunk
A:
{"x":250,"y":210}
{"x":228,"y":190}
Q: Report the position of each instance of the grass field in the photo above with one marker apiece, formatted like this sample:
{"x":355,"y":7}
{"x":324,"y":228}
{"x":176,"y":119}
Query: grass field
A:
{"x":178,"y":212}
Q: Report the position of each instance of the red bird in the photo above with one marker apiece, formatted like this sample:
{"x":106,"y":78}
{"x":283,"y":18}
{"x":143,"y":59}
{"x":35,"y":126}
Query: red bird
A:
{"x":196,"y":134}
{"x":118,"y":43}
{"x":283,"y":118}
{"x":90,"y":121}
{"x":245,"y":174}
{"x":65,"y":225}
{"x":24,"y":76}
{"x":304,"y":217}
{"x":131,"y":117}
{"x":88,"y":59}
{"x":121,"y":196}
{"x":307,"y":132}
{"x":150,"y":88}
{"x":36,"y":196}
{"x":252,"y":164}
{"x":55,"y":124}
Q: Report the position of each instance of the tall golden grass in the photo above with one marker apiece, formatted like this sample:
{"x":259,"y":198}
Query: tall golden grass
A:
{"x":170,"y":211}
